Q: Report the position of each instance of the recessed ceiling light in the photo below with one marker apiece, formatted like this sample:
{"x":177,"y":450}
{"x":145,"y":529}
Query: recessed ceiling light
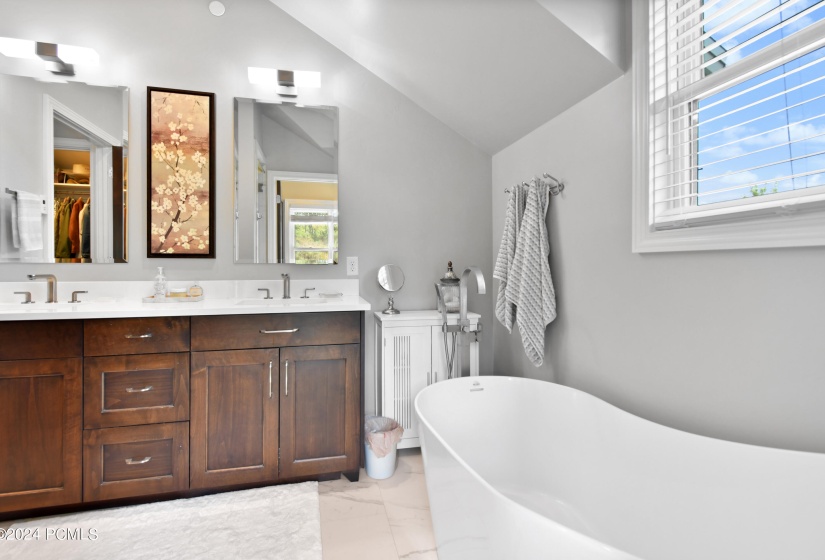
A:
{"x":217,"y":8}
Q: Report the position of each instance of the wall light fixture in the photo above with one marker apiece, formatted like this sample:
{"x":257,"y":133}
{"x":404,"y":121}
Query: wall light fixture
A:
{"x":285,"y":82}
{"x":60,"y":59}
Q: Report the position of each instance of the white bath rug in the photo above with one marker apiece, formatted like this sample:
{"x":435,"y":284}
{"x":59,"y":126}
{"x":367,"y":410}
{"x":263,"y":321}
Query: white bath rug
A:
{"x":277,"y":522}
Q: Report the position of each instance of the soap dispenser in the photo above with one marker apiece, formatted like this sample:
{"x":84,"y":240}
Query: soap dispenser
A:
{"x":160,"y":285}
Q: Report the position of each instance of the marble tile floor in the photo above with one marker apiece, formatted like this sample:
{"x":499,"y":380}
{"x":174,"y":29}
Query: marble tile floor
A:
{"x":379,"y":519}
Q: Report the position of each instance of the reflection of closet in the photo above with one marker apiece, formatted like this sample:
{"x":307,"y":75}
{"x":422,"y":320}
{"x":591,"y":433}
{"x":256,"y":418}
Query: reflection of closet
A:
{"x":72,"y":206}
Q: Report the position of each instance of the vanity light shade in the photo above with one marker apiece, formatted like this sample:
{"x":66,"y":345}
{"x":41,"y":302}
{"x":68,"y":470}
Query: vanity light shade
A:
{"x":307,"y":79}
{"x":262,"y":76}
{"x":71,"y":54}
{"x":17,"y":48}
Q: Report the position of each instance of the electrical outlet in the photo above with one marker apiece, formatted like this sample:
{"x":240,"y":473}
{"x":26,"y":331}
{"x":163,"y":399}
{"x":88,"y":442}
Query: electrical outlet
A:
{"x":352,"y":266}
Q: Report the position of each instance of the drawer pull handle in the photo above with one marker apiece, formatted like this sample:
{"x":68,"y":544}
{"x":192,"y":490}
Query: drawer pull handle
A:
{"x":133,"y":390}
{"x":147,"y":335}
{"x":138,"y":461}
{"x":263,"y":331}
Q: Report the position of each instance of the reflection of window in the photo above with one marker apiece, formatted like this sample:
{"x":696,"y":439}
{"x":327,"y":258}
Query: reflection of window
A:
{"x":312,"y":230}
{"x":736,"y":116}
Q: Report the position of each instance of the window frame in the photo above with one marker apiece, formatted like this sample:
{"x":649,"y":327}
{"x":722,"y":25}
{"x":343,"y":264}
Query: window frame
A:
{"x":773,"y":223}
{"x":331,"y":248}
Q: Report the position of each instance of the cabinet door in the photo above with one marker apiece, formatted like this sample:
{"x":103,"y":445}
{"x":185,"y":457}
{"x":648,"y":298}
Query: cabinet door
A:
{"x":233,"y":417}
{"x":406,"y":371}
{"x":320,"y":409}
{"x":40,"y":433}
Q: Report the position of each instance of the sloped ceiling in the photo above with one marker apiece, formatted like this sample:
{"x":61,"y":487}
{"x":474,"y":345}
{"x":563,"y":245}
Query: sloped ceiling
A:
{"x":492,"y":70}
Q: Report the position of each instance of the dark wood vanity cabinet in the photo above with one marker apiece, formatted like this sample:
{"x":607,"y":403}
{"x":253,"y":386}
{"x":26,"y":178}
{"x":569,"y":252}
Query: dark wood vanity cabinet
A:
{"x":320,"y":410}
{"x":261,"y":383}
{"x":40,"y":414}
{"x":234,"y":437}
{"x":103,"y":409}
{"x":135,"y":407}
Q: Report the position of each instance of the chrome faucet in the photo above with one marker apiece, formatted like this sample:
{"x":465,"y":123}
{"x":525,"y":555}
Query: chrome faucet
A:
{"x":463,"y":321}
{"x":52,"y":286}
{"x":286,"y":285}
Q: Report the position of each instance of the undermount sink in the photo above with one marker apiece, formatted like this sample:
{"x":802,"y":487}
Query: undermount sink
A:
{"x":284,"y":302}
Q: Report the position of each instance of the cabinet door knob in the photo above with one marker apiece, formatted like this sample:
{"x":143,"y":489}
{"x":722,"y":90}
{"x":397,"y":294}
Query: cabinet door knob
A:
{"x":138,"y":461}
{"x":133,"y":390}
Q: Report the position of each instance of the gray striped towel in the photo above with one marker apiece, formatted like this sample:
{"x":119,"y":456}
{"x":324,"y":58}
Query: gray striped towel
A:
{"x":27,"y":221}
{"x":530,"y":285}
{"x":505,"y":309}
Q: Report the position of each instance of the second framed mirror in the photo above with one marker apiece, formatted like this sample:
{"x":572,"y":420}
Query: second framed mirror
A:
{"x":286,"y":183}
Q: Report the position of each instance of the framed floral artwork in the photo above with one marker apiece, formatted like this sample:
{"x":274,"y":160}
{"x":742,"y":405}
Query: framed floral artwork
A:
{"x":181,"y":173}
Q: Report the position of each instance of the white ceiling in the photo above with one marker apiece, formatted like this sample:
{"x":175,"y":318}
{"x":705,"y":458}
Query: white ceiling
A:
{"x":492,"y":70}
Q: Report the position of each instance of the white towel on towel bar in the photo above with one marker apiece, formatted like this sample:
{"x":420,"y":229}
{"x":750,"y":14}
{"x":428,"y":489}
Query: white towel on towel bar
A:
{"x":530,"y":285}
{"x":506,"y":310}
{"x":27,"y":221}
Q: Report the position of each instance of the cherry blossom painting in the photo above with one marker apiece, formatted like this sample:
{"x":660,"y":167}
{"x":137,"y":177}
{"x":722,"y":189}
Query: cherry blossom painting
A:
{"x":181,"y":173}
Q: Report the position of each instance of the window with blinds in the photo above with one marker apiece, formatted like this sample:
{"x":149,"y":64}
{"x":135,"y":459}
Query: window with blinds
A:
{"x":736,"y":109}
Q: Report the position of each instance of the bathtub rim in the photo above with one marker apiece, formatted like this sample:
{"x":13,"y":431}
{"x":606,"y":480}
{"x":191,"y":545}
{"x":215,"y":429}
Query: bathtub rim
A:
{"x":500,"y":379}
{"x":620,"y":554}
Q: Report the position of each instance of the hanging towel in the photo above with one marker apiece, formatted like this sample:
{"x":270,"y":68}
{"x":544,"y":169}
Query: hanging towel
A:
{"x":529,"y":285}
{"x":27,"y":221}
{"x":506,"y":310}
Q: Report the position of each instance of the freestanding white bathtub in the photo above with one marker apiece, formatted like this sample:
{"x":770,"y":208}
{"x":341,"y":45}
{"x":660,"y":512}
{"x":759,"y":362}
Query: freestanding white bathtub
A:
{"x":522,"y":469}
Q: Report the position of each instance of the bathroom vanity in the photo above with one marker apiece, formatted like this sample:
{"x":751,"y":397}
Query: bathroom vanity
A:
{"x":141,"y":400}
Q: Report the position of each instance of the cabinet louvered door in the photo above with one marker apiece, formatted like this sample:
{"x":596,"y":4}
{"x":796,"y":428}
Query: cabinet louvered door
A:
{"x":406,"y":371}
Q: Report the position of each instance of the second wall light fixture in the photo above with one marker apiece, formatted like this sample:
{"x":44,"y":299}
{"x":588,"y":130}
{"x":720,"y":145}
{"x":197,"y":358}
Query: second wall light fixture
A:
{"x":286,"y":82}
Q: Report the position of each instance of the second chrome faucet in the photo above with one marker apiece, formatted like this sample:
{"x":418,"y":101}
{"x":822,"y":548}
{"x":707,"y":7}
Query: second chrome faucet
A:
{"x":51,"y":296}
{"x":286,"y":285}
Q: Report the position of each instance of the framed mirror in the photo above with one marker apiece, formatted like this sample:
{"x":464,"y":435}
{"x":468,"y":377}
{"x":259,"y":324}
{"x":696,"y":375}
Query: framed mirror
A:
{"x":286,"y":183}
{"x":63,"y":172}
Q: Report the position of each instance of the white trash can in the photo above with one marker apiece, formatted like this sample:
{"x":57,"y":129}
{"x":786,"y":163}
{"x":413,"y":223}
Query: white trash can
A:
{"x":381,"y":437}
{"x":380,"y":468}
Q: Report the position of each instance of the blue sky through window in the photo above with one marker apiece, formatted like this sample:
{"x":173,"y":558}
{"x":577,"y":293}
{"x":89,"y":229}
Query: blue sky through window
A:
{"x":752,"y":137}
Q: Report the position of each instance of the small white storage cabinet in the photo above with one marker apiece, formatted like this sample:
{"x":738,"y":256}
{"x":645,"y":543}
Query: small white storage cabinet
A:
{"x":409,"y":356}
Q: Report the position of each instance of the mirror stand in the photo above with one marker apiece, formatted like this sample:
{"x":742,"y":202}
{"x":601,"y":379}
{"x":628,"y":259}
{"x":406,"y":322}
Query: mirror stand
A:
{"x":391,"y":279}
{"x":390,"y":310}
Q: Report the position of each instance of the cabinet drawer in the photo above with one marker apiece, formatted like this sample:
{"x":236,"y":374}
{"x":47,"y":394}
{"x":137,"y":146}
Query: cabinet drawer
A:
{"x":24,"y":340}
{"x":131,"y":390}
{"x":144,"y":335}
{"x":135,"y":461}
{"x":228,"y":332}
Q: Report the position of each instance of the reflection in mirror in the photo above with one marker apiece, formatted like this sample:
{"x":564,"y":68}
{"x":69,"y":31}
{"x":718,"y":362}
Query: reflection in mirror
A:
{"x":391,"y":278}
{"x":286,"y":183}
{"x":63,"y":172}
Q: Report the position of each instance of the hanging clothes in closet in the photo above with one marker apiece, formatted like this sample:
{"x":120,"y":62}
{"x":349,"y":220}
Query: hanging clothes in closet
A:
{"x":72,"y":230}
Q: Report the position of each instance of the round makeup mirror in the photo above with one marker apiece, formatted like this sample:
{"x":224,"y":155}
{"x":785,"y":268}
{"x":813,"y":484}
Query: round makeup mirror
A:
{"x":391,"y":278}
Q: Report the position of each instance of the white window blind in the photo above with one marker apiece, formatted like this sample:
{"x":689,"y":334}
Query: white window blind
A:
{"x":736,"y":109}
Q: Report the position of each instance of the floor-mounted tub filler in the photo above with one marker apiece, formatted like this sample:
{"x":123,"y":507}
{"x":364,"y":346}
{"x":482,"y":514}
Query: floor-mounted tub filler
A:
{"x":525,"y":469}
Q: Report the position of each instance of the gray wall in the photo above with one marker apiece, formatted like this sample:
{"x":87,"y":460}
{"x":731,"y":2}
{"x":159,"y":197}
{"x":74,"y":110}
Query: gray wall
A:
{"x":413,"y":192}
{"x":727,"y":344}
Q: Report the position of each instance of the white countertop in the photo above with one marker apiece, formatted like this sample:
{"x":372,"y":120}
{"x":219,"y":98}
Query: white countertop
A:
{"x":109,"y":300}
